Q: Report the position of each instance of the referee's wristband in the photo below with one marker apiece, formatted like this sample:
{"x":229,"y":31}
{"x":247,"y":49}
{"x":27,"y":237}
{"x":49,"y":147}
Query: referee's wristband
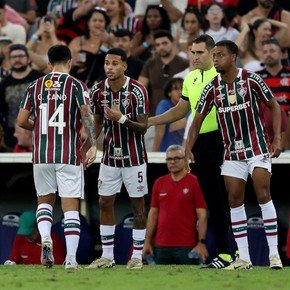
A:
{"x":122,"y":120}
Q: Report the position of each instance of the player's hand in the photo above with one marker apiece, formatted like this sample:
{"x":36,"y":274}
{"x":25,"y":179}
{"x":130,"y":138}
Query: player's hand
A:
{"x":275,"y":148}
{"x":113,"y":113}
{"x":90,"y":156}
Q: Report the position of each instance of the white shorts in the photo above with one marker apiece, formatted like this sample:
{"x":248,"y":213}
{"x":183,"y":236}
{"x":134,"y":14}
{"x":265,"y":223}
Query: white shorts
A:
{"x":67,"y":179}
{"x":242,"y":168}
{"x":134,"y":178}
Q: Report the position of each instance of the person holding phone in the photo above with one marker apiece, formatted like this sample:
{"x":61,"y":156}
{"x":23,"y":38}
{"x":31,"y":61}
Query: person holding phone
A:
{"x":42,"y":40}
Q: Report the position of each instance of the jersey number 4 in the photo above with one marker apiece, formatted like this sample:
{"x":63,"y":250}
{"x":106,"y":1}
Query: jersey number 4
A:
{"x":56,"y":120}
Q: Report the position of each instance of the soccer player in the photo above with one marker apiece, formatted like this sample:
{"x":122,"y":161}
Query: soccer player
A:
{"x":208,"y":149}
{"x":58,"y":104}
{"x":122,"y":104}
{"x":237,"y":95}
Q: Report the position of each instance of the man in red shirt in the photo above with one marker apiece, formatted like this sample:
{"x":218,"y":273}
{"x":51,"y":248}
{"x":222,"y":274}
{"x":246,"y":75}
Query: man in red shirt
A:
{"x":177,"y":205}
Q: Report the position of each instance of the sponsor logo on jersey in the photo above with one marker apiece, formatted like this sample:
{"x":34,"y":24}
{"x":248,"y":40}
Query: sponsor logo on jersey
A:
{"x":163,"y":194}
{"x":140,"y":188}
{"x":86,"y":95}
{"x":232,"y":99}
{"x":284,"y":82}
{"x":105,"y":93}
{"x":234,"y":108}
{"x":50,"y":84}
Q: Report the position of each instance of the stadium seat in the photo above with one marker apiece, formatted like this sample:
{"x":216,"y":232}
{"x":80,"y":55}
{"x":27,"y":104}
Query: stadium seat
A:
{"x":8,"y":229}
{"x":123,"y":240}
{"x":85,"y":252}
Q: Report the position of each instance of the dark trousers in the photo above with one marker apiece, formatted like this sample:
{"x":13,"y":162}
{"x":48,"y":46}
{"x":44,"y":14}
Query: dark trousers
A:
{"x":208,"y":155}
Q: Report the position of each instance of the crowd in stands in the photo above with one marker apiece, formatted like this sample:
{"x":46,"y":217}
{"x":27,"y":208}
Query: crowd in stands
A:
{"x":156,"y":36}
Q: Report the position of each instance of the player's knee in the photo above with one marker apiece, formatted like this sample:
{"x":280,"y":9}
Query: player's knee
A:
{"x":106,"y":202}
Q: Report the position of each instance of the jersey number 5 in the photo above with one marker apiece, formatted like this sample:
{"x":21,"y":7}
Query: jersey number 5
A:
{"x":56,"y":120}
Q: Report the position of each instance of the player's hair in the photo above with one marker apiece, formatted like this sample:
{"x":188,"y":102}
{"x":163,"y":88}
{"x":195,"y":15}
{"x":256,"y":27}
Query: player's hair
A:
{"x":207,"y":39}
{"x":122,"y":33}
{"x":118,"y":51}
{"x":2,"y":4}
{"x":163,"y":33}
{"x":59,"y":54}
{"x":175,"y":147}
{"x":230,"y":45}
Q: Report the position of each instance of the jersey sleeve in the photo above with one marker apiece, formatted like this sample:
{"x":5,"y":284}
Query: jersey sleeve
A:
{"x":142,"y":99}
{"x":95,"y":102}
{"x":26,"y":101}
{"x":259,"y":86}
{"x":206,"y":99}
{"x":82,"y":94}
{"x":185,"y":90}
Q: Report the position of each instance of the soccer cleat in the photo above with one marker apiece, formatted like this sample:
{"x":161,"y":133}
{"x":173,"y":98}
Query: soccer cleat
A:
{"x":102,"y":263}
{"x":47,"y":259}
{"x":240,"y":265}
{"x":71,"y":265}
{"x":275,"y":262}
{"x":218,"y":263}
{"x":135,"y":264}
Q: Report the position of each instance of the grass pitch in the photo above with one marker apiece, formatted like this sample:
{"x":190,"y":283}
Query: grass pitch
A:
{"x":150,"y":277}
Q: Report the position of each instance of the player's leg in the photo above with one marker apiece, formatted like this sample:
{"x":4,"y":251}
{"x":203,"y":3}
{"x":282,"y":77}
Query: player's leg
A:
{"x":235,"y":175}
{"x":70,"y":182}
{"x":261,"y":175}
{"x":46,"y":186}
{"x":135,"y":180}
{"x":109,"y":184}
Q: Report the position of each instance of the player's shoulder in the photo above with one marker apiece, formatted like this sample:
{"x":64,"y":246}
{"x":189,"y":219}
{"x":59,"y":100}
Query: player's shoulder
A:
{"x":96,"y":87}
{"x":136,"y":86}
{"x":163,"y":179}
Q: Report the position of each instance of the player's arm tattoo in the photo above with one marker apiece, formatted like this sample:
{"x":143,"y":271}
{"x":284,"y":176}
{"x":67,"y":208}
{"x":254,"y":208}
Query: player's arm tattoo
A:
{"x":89,"y":123}
{"x":138,"y":127}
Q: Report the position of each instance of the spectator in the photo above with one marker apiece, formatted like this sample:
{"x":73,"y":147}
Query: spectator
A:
{"x":3,"y":147}
{"x":269,"y":9}
{"x":88,"y":50}
{"x":159,"y":70}
{"x":192,"y":27}
{"x":116,"y":10}
{"x":25,"y":8}
{"x":169,"y":134}
{"x":43,"y":39}
{"x":216,"y":23}
{"x":123,"y":40}
{"x":246,"y":149}
{"x":15,"y":32}
{"x":57,"y":8}
{"x":277,"y":77}
{"x":5,"y":67}
{"x":174,"y":9}
{"x":251,"y":38}
{"x":26,"y":247}
{"x":24,"y":140}
{"x":177,"y":220}
{"x":13,"y":87}
{"x":156,"y":18}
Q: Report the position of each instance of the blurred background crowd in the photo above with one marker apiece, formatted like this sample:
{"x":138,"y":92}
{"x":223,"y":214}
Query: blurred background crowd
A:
{"x":90,"y":27}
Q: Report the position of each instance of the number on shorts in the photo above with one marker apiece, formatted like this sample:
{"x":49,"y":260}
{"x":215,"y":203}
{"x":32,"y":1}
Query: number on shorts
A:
{"x":140,"y":177}
{"x":58,"y":114}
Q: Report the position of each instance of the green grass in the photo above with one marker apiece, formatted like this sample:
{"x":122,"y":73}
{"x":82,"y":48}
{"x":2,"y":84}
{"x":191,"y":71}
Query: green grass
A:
{"x":150,"y":277}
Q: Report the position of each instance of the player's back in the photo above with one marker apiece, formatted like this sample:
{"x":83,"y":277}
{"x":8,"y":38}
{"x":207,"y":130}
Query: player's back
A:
{"x":56,"y":99}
